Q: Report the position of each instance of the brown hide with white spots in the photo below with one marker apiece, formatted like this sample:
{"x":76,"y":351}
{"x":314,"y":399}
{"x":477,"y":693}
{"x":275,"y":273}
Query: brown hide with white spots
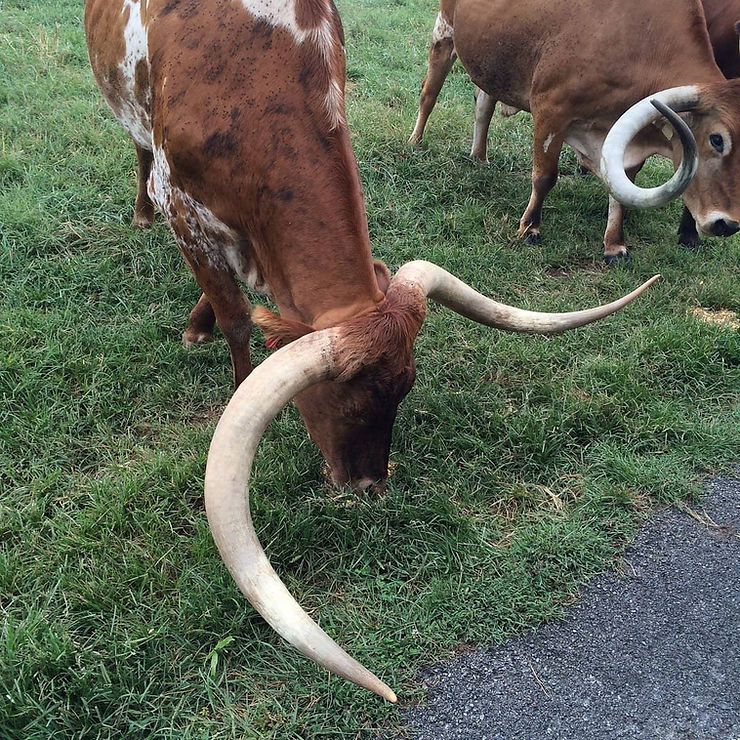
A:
{"x":577,"y":66}
{"x":241,"y":104}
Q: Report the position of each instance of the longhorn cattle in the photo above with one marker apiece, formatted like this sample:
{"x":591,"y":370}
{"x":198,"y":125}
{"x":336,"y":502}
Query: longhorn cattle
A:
{"x":578,"y":66}
{"x":237,"y":107}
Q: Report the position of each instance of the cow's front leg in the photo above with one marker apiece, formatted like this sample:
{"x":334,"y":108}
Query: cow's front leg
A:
{"x":614,"y":247}
{"x":688,"y":236}
{"x":143,"y":207}
{"x":547,"y":146}
{"x":441,"y":58}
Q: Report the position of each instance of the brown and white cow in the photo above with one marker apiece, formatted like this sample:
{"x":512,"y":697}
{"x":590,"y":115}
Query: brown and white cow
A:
{"x":236,"y":108}
{"x":577,"y":67}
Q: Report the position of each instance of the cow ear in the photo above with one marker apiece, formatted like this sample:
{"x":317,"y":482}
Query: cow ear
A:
{"x":382,"y":275}
{"x":277,"y":330}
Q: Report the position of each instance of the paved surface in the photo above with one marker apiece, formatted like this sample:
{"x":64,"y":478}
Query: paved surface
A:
{"x":654,"y":655}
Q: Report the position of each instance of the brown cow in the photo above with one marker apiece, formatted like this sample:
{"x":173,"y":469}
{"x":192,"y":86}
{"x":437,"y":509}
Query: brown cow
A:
{"x":237,"y":107}
{"x":577,"y":68}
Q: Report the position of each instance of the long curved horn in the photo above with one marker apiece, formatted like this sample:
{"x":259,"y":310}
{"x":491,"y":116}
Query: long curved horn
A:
{"x":255,"y":404}
{"x":641,"y":114}
{"x":445,"y":288}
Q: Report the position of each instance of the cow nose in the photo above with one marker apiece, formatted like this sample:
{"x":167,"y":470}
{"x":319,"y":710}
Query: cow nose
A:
{"x":725,"y":227}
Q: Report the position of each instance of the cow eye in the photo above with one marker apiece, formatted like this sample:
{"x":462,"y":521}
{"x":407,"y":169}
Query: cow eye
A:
{"x":717,"y":142}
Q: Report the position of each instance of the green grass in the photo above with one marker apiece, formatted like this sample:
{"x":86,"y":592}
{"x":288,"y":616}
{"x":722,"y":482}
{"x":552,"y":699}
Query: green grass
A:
{"x":523,"y":465}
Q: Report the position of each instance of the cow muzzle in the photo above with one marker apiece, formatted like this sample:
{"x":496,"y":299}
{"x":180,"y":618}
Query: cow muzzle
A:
{"x":721,"y":227}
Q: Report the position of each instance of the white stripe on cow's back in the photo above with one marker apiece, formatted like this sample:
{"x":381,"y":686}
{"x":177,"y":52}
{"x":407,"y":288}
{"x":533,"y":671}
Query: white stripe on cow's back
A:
{"x":134,"y":118}
{"x":208,"y":238}
{"x":282,"y":13}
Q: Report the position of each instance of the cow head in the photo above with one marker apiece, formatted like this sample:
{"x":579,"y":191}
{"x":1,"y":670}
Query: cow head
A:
{"x":348,"y":381}
{"x":713,"y":197}
{"x":351,"y":417}
{"x":705,"y":151}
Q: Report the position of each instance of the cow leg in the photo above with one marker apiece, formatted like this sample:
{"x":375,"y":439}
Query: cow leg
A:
{"x":200,"y":323}
{"x":688,"y":236}
{"x":143,"y":208}
{"x":229,"y":306}
{"x":614,"y":248}
{"x":441,"y":58}
{"x":547,"y":146}
{"x":484,"y":107}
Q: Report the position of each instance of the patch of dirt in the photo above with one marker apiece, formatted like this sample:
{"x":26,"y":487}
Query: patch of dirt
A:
{"x":721,"y":316}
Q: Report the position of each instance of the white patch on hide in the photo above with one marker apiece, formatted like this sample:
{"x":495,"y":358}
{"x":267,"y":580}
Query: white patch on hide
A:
{"x":208,"y":238}
{"x":547,"y":142}
{"x":131,"y":114}
{"x":442,"y":30}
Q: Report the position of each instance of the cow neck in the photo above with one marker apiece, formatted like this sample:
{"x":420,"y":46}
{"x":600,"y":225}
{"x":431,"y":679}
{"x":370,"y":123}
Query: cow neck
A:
{"x":329,"y":277}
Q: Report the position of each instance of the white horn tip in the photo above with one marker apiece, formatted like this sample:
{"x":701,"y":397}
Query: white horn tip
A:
{"x":390,"y":695}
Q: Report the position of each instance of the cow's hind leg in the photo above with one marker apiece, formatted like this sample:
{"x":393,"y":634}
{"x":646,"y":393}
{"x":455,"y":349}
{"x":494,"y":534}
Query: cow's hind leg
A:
{"x":614,"y":247}
{"x":201,"y":321}
{"x":143,"y":208}
{"x":547,"y":145}
{"x":484,"y":107}
{"x":441,"y":58}
{"x":223,"y":298}
{"x":688,"y":236}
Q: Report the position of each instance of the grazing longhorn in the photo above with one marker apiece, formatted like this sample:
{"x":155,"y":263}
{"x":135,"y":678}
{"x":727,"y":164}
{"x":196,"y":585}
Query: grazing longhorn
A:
{"x":578,"y":68}
{"x":237,"y":107}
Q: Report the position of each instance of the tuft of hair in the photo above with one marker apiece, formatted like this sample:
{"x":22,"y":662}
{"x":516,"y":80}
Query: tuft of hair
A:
{"x":384,"y":337}
{"x":277,"y":330}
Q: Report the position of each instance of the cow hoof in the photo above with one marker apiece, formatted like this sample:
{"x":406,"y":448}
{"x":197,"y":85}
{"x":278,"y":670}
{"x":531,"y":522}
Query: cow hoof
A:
{"x":140,"y":221}
{"x":533,"y":238}
{"x":690,"y":241}
{"x":622,"y":256}
{"x":190,"y":337}
{"x":479,"y":157}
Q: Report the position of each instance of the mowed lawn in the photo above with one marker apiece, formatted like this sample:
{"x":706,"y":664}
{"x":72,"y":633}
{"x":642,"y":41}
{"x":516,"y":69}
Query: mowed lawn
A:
{"x":522,"y":465}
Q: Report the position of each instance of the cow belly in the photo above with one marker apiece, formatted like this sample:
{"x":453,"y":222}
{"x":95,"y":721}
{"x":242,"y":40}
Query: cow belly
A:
{"x":203,"y":237}
{"x":587,"y":141}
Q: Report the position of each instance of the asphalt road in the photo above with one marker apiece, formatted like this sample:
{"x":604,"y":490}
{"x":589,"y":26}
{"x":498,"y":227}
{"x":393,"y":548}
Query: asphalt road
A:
{"x":651,"y":655}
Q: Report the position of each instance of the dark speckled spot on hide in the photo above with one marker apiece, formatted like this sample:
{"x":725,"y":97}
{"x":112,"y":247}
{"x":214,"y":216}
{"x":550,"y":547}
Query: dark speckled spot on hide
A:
{"x":262,"y":28}
{"x":220,"y":144}
{"x":141,"y":84}
{"x":173,"y":100}
{"x":235,"y":114}
{"x":114,"y":79}
{"x":215,"y":63}
{"x":170,"y":7}
{"x":191,"y":41}
{"x":189,"y":9}
{"x":284,"y":194}
{"x":280,"y":109}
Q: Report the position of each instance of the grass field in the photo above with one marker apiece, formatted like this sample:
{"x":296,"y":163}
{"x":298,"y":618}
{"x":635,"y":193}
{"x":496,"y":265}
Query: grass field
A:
{"x":523,"y":465}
